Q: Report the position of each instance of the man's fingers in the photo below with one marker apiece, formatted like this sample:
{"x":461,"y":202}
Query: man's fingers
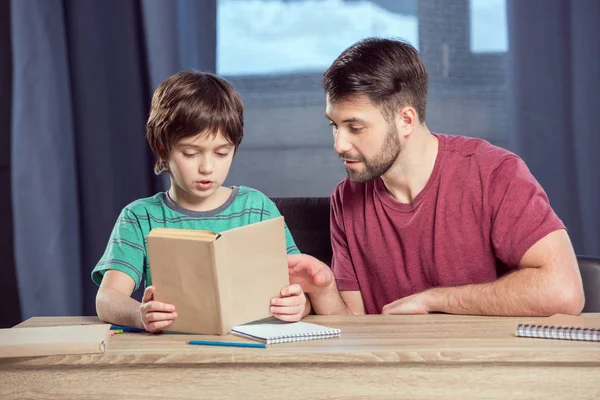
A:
{"x":160,"y":316}
{"x":158,"y":306}
{"x":148,"y":294}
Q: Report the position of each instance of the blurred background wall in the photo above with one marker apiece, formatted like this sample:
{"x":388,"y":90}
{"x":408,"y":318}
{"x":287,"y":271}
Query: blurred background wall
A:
{"x":77,"y":77}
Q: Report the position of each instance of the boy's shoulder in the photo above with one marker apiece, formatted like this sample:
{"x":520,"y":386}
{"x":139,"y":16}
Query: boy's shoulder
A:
{"x":145,"y":205}
{"x":249,"y":195}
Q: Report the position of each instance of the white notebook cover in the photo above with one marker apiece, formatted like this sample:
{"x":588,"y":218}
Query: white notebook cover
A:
{"x":276,"y":331}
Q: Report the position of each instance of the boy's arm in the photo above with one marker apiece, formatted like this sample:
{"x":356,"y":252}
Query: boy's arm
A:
{"x":114,"y":303}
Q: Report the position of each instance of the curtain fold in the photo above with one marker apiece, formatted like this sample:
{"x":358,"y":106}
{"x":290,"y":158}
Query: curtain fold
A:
{"x":554,"y":67}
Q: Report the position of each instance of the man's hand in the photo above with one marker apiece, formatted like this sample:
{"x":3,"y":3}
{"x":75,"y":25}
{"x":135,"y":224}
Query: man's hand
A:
{"x":156,"y":316}
{"x":414,"y":304}
{"x":291,"y":306}
{"x":311,"y":274}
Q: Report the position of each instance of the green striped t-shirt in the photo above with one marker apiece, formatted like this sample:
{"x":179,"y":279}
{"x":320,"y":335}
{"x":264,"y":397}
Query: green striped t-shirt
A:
{"x":127,"y":250}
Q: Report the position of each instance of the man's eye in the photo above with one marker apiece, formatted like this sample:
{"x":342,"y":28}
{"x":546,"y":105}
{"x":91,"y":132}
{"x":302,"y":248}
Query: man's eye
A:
{"x":356,"y":128}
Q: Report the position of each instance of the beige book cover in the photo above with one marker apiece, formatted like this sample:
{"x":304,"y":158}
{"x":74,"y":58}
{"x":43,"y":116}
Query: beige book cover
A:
{"x":54,"y":340}
{"x":218,"y":280}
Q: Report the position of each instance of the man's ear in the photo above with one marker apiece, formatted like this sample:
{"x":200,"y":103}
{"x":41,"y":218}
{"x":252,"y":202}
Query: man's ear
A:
{"x":406,"y":120}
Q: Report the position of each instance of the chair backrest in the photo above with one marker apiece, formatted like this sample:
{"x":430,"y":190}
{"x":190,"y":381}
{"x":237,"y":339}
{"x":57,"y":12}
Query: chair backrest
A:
{"x":590,"y":274}
{"x":307,"y":218}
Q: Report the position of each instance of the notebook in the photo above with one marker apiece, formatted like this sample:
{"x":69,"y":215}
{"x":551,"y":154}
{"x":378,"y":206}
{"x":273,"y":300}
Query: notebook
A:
{"x":275,"y":331}
{"x":54,"y":340}
{"x":561,"y":326}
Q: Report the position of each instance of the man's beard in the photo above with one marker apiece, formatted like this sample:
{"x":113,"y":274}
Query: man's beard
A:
{"x":380,"y":164}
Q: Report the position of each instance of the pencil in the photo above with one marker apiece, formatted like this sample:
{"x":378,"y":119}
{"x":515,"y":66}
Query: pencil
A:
{"x":230,"y":344}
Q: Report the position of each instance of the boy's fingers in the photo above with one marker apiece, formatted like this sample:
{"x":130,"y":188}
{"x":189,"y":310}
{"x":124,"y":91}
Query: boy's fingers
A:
{"x":292,"y":290}
{"x":288,"y":318}
{"x":148,"y":294}
{"x":157,"y":326}
{"x":286,"y":301}
{"x":286,"y":310}
{"x":160,"y":316}
{"x":158,"y":306}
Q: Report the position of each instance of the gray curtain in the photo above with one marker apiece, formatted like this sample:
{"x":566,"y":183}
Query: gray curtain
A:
{"x":554,"y":81}
{"x":10,"y":312}
{"x":83,"y":75}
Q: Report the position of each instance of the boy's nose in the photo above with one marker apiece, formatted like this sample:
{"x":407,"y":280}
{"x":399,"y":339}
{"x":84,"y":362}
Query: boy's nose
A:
{"x":206,"y":167}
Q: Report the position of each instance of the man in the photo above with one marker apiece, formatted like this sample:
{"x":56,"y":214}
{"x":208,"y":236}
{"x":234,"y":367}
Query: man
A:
{"x":425,"y":222}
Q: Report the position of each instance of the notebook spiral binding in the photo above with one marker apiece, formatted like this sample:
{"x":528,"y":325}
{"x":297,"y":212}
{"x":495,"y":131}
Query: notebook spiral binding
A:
{"x":297,"y":337}
{"x":558,"y":332}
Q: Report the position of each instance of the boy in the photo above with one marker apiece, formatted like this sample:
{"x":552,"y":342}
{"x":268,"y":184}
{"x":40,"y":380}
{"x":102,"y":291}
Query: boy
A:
{"x":194,"y":129}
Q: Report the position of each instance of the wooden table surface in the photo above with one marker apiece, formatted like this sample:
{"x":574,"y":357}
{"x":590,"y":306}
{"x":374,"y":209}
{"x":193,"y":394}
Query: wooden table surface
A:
{"x":425,"y":356}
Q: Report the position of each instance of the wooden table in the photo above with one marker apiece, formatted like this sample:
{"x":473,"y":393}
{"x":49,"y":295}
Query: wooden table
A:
{"x":377,"y":357}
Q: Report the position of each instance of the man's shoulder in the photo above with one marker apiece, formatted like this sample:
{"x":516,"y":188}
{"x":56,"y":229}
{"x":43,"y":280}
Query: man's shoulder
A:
{"x":467,"y":149}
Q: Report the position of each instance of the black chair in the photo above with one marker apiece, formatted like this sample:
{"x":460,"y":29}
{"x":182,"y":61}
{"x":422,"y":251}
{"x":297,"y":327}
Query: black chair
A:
{"x":307,"y":218}
{"x":590,"y":274}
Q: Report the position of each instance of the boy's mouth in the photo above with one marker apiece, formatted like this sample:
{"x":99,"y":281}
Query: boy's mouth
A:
{"x":204,"y":184}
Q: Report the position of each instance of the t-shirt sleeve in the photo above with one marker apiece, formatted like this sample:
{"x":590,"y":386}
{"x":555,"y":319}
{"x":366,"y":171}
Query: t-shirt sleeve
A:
{"x":521,"y":211}
{"x":341,"y":262}
{"x":125,"y":250}
{"x":273,"y":212}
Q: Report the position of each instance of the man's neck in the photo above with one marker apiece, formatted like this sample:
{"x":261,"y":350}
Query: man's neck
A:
{"x":413,"y":168}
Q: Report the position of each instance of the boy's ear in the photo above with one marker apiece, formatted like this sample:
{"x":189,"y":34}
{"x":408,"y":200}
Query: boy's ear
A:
{"x":161,"y":166}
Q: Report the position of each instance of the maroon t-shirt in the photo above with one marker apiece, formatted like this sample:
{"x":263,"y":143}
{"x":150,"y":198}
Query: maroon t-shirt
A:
{"x":478,"y":214}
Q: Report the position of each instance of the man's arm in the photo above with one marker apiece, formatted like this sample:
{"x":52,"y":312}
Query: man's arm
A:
{"x":547,"y":282}
{"x":334,"y":302}
{"x":318,"y":282}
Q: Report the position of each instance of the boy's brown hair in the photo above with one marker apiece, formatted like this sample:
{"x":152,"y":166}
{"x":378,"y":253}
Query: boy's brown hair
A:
{"x":188,"y":103}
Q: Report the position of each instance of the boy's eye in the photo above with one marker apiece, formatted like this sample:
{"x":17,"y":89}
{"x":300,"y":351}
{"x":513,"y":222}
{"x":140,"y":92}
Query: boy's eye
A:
{"x":222,"y":154}
{"x":189,"y":154}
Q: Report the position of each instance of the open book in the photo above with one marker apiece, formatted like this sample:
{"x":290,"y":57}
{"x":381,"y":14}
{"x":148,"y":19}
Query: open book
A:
{"x":561,"y":326}
{"x":54,"y":340}
{"x":218,"y":280}
{"x":275,"y":331}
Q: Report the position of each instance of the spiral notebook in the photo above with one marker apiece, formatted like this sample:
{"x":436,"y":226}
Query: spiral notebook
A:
{"x":274,"y":331}
{"x":561,"y":326}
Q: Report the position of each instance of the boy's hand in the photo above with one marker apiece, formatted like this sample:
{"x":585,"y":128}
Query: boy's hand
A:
{"x":156,"y":316}
{"x":291,"y":306}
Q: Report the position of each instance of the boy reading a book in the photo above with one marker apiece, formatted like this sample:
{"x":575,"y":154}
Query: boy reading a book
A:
{"x":194,"y":129}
